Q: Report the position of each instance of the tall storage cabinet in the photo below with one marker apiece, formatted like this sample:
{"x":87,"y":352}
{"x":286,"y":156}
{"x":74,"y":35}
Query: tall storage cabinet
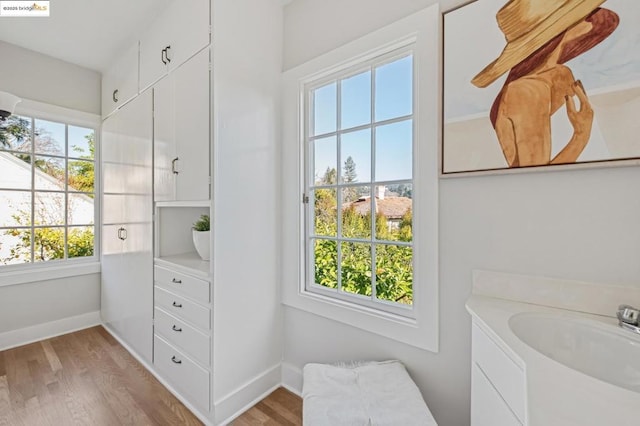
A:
{"x":127,"y":227}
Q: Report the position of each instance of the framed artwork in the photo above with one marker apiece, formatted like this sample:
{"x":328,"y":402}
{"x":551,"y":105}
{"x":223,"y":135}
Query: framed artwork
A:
{"x":536,"y":83}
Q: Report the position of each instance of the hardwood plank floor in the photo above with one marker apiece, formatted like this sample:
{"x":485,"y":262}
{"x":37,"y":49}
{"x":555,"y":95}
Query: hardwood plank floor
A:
{"x":88,"y":378}
{"x":280,"y":408}
{"x":84,"y":378}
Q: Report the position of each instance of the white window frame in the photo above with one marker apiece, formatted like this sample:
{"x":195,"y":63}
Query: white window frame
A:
{"x":419,"y":33}
{"x":60,"y":268}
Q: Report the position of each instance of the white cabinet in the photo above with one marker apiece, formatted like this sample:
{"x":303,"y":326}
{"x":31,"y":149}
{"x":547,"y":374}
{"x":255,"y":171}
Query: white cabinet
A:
{"x":498,"y":395}
{"x":127,"y":248}
{"x":120,"y":81}
{"x":178,"y":33}
{"x":181,"y":132}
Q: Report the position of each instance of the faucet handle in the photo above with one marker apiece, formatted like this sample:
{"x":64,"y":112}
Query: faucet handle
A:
{"x":628,"y":314}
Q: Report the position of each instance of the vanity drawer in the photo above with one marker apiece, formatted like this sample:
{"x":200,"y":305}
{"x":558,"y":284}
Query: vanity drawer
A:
{"x":186,"y":285}
{"x":182,"y":308}
{"x":505,"y":375}
{"x":180,"y":334}
{"x":188,"y":378}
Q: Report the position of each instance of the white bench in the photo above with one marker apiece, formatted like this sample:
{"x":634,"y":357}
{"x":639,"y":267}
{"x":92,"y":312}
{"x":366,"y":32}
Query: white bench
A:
{"x":362,"y":394}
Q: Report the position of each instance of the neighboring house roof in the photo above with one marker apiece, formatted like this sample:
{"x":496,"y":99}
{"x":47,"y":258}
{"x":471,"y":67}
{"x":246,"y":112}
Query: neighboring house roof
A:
{"x":390,"y":207}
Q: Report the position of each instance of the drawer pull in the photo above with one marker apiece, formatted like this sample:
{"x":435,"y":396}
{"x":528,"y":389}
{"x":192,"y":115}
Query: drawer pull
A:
{"x":177,"y":305}
{"x":176,"y":360}
{"x":176,"y":281}
{"x":176,"y":329}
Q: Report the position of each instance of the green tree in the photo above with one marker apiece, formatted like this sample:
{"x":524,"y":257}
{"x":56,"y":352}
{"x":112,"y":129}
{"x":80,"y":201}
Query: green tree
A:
{"x":14,"y":131}
{"x":349,"y":170}
{"x":82,"y":173}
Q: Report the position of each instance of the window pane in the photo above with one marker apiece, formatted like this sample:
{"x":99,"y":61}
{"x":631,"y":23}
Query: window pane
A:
{"x":355,"y":152}
{"x":394,"y":273}
{"x":48,"y":244}
{"x":49,"y":174}
{"x":325,"y":158}
{"x":325,"y":212}
{"x":15,"y":208}
{"x":80,"y":209}
{"x":49,"y":208}
{"x":49,"y":138}
{"x":356,"y":212}
{"x":394,"y":151}
{"x":80,"y":241}
{"x":394,"y":89}
{"x":15,"y":246}
{"x":326,"y":263}
{"x":15,"y":134}
{"x":15,"y":171}
{"x":81,"y":175}
{"x":81,"y":142}
{"x":355,"y":100}
{"x":356,"y":268}
{"x":324,"y":109}
{"x":394,"y":207}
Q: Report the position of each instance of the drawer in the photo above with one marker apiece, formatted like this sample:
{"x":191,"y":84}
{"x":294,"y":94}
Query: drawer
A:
{"x":188,"y":339}
{"x":182,"y":308}
{"x":505,"y":375}
{"x":191,"y":380}
{"x":184,"y":285}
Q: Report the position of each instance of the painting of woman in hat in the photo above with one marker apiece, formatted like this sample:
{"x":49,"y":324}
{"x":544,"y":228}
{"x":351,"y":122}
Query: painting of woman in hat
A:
{"x":542,"y":36}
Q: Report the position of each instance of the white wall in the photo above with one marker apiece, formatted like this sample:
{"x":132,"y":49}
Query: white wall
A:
{"x":31,"y":75}
{"x":580,"y":224}
{"x":38,"y":77}
{"x":247,"y":314}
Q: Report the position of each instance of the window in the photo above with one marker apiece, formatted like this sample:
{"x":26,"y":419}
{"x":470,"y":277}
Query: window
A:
{"x":359,"y":146}
{"x":360,"y":135}
{"x":47,"y":191}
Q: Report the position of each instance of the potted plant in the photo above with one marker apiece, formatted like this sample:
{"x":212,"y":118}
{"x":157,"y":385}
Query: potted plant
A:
{"x":202,"y":236}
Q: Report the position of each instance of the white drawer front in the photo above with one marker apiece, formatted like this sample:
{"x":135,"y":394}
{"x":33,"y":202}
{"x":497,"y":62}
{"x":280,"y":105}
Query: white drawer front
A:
{"x":183,"y":308}
{"x":188,"y":378}
{"x":185,"y":285}
{"x":183,"y":336}
{"x":487,"y":407}
{"x":504,"y":374}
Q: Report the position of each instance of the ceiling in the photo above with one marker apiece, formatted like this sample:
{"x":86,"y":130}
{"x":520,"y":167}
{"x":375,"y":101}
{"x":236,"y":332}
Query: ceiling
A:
{"x":88,"y":33}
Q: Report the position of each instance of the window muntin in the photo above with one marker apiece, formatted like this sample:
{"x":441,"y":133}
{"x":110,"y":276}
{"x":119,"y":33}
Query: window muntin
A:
{"x":359,"y":156}
{"x":47,"y":191}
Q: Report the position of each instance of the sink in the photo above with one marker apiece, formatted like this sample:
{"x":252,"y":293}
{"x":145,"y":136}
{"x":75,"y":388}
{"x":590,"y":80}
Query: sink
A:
{"x":600,"y":350}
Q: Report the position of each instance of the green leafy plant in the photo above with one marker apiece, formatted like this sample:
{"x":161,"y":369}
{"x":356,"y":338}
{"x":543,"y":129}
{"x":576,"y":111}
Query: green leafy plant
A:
{"x":203,"y":224}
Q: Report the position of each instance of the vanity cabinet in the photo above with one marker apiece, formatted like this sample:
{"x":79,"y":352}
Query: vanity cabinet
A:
{"x":127,"y":227}
{"x":498,"y":395}
{"x":178,"y":33}
{"x":120,"y":81}
{"x":181,"y":132}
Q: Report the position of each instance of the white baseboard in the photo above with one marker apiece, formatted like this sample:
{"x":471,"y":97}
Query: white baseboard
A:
{"x":199,"y":414}
{"x":255,"y":390}
{"x":36,"y":333}
{"x":292,"y":378}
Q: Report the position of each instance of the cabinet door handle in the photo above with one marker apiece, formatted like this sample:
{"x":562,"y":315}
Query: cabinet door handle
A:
{"x":166,"y":55}
{"x":115,"y":96}
{"x":176,"y":281}
{"x":163,"y":55}
{"x":175,"y":328}
{"x":174,"y":169}
{"x":176,"y":360}
{"x":177,"y":305}
{"x":122,"y":233}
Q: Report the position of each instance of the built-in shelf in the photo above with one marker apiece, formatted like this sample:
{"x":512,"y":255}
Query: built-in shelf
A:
{"x":187,"y":263}
{"x":203,"y":203}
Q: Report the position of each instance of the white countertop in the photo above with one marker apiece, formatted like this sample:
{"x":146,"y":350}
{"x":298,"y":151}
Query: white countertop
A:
{"x":556,"y":394}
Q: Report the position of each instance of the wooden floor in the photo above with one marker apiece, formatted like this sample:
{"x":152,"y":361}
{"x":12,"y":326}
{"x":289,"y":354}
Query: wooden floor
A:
{"x":88,"y":378}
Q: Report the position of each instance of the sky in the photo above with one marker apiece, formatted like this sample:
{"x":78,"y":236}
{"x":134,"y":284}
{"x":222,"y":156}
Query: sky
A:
{"x":393,"y":99}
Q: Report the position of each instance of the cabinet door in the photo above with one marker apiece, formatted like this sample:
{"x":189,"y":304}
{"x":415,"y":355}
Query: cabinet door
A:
{"x":192,"y":106}
{"x":194,"y":15}
{"x":127,"y":280}
{"x":181,"y":137}
{"x":153,"y":60}
{"x":120,"y":81}
{"x":487,"y":407}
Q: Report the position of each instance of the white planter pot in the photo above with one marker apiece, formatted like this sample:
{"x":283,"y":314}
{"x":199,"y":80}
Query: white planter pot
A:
{"x":202,"y":243}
